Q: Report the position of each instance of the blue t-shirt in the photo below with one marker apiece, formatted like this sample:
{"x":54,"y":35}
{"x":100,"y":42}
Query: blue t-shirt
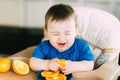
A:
{"x":79,"y":51}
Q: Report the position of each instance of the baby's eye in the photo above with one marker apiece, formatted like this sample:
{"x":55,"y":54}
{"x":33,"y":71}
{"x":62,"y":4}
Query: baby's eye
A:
{"x":55,"y":34}
{"x":67,"y":34}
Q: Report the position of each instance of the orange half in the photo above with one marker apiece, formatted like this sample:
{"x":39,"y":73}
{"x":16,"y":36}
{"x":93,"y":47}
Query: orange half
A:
{"x":20,"y":67}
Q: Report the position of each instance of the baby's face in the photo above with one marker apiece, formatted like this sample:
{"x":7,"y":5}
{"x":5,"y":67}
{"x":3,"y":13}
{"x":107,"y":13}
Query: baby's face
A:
{"x":62,"y":33}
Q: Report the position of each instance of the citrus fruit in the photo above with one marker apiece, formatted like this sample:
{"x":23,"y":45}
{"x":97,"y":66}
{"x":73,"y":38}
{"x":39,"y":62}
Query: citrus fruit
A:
{"x":52,"y":78}
{"x":61,"y":77}
{"x":62,"y":62}
{"x":48,"y":73}
{"x":20,"y":67}
{"x":58,"y":77}
{"x":5,"y":64}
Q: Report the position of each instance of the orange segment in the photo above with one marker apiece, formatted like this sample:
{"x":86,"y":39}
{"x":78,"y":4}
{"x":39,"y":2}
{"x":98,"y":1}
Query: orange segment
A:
{"x":20,"y":67}
{"x":62,"y":62}
{"x":5,"y":64}
{"x":48,"y":73}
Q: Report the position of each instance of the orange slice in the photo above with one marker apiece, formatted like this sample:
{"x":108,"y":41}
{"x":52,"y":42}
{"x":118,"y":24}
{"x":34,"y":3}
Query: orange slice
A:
{"x":48,"y":73}
{"x":52,"y":78}
{"x":62,"y":62}
{"x":20,"y":67}
{"x":5,"y":64}
{"x":59,"y":77}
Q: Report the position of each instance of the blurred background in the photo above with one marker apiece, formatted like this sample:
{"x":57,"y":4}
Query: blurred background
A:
{"x":30,"y":13}
{"x":22,"y":21}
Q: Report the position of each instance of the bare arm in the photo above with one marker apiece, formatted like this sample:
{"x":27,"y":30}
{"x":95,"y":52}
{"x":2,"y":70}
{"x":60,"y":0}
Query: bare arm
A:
{"x":39,"y":64}
{"x":77,"y":66}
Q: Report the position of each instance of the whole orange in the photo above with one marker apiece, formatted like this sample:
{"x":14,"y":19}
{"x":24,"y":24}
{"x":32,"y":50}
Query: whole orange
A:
{"x":5,"y":64}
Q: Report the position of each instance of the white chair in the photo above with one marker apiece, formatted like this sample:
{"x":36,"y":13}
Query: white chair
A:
{"x":102,"y":31}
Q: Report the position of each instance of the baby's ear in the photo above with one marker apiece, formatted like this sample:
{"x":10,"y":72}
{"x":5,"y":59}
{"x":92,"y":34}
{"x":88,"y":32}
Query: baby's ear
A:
{"x":45,"y":35}
{"x":77,"y":28}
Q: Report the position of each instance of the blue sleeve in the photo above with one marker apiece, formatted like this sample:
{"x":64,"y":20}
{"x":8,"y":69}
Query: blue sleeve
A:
{"x":88,"y":55}
{"x":86,"y":51}
{"x":41,"y":50}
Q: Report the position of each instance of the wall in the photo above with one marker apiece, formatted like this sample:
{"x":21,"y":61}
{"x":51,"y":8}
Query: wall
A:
{"x":30,"y":13}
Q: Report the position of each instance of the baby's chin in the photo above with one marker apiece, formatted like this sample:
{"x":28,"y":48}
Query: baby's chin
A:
{"x":62,"y":50}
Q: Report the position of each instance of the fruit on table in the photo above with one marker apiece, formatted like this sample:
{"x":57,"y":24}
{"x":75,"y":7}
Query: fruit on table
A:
{"x":5,"y":64}
{"x":58,"y":77}
{"x":20,"y":67}
{"x":48,"y":73}
{"x":51,"y":75}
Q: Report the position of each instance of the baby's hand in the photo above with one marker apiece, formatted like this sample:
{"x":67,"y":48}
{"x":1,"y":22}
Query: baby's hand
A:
{"x":68,"y":68}
{"x":53,"y":64}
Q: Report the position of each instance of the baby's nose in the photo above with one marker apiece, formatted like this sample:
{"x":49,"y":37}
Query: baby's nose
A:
{"x":62,"y":39}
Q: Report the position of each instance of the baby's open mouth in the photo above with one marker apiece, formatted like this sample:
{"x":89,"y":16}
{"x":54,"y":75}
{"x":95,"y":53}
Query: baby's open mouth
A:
{"x":61,"y":44}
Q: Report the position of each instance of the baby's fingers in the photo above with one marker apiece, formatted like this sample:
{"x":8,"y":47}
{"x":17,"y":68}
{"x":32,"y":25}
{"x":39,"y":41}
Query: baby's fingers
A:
{"x":65,"y":71}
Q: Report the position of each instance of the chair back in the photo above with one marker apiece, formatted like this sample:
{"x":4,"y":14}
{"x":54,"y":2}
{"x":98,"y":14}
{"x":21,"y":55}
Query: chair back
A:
{"x":100,"y":29}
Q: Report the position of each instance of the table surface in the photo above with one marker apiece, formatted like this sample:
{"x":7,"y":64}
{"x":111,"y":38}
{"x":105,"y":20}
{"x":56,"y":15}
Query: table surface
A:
{"x":10,"y":75}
